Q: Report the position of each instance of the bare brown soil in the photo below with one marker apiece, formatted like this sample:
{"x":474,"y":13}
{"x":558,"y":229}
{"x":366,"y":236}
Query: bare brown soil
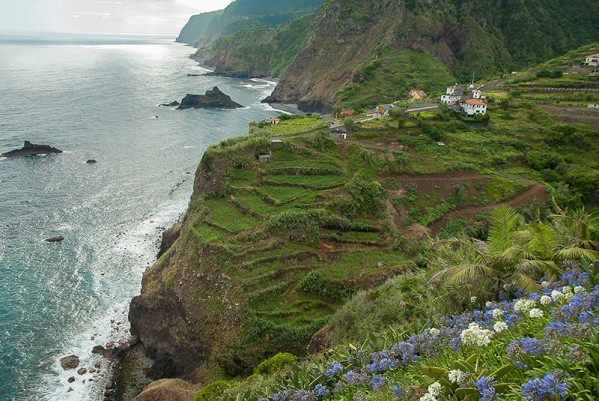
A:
{"x":440,"y":183}
{"x":573,"y":114}
{"x":526,"y":197}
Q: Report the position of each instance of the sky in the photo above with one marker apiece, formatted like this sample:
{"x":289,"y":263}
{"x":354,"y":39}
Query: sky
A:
{"x":102,"y":16}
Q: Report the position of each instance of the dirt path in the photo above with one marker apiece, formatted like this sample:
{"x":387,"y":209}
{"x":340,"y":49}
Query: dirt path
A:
{"x":536,"y":191}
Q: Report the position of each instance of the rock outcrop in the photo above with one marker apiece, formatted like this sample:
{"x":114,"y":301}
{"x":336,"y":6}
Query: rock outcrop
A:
{"x":213,"y":99}
{"x":31,"y":149}
{"x":69,"y":362}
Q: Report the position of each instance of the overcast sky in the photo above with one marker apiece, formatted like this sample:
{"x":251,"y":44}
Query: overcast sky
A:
{"x":102,"y":16}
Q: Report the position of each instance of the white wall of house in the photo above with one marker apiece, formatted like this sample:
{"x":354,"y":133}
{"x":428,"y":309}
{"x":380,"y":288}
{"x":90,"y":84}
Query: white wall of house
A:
{"x":472,"y":109}
{"x":592,"y":59}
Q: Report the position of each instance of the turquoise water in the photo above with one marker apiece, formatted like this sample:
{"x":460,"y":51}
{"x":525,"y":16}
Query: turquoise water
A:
{"x":92,"y":99}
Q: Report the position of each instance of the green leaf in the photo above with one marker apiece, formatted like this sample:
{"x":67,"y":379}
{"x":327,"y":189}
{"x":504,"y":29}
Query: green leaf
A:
{"x":434,"y":371}
{"x":502,"y":371}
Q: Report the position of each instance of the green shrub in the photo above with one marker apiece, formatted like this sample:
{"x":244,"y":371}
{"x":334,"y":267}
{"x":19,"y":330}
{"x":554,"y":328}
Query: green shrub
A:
{"x":275,"y":363}
{"x":367,"y":196}
{"x":212,"y":391}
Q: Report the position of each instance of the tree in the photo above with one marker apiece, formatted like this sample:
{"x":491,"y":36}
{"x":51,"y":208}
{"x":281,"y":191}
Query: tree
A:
{"x":513,"y":254}
{"x":400,"y":115}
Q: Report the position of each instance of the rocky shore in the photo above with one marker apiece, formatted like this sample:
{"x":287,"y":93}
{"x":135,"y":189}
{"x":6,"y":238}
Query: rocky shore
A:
{"x":212,"y":99}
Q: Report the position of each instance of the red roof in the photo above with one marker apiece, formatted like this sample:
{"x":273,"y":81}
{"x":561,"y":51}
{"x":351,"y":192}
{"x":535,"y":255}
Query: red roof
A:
{"x":476,"y":101}
{"x":418,"y":92}
{"x":347,"y":113}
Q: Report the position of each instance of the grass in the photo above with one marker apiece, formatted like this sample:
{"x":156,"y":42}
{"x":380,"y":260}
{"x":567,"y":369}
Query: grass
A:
{"x":315,"y":181}
{"x":210,"y":234}
{"x":225,"y":214}
{"x":283,"y":194}
{"x":292,"y":126}
{"x":353,"y":264}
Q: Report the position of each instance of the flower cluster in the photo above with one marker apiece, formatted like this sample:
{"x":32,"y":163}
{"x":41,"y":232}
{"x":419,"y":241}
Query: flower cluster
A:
{"x":550,"y":387}
{"x":475,"y":335}
{"x":568,"y":308}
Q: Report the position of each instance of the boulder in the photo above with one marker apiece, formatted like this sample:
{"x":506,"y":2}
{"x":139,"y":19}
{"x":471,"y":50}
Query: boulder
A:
{"x":91,"y":161}
{"x":69,"y":362}
{"x":31,"y":149}
{"x":71,"y":379}
{"x":55,"y":239}
{"x":81,"y":371}
{"x":213,"y":99}
{"x":171,"y":104}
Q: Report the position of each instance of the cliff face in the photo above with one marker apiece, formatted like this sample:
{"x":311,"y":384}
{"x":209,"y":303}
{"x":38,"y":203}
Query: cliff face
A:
{"x":204,"y":29}
{"x":481,"y":37}
{"x":256,"y":50}
{"x":199,"y":26}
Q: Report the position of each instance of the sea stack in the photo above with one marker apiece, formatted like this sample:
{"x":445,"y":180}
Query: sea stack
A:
{"x":213,"y":99}
{"x":31,"y":149}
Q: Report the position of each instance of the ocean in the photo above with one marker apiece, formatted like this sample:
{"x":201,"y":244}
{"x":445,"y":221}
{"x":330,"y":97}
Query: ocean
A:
{"x":94,"y":97}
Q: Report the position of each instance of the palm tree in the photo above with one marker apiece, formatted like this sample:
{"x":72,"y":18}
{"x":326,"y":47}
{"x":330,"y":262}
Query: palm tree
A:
{"x":513,"y":254}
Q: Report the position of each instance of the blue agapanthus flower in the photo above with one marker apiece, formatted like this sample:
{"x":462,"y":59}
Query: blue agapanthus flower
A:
{"x":553,"y":385}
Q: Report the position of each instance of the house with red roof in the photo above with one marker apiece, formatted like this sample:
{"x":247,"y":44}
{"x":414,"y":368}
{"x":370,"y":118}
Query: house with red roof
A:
{"x":416,"y":94}
{"x":472,"y":107}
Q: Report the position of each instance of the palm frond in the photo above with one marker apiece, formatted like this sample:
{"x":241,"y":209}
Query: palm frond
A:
{"x":535,"y":266}
{"x":467,"y":273}
{"x":525,"y":282}
{"x":503,"y":223}
{"x":577,"y":253}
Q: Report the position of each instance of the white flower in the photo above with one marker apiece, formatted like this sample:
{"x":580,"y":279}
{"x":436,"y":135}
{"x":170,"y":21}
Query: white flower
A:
{"x":428,"y":397}
{"x":474,"y":335}
{"x":497,"y":313}
{"x":545,"y":284}
{"x":536,"y":312}
{"x":455,"y":375}
{"x":434,"y":332}
{"x":545,"y":300}
{"x":488,"y":304}
{"x":472,"y":300}
{"x":434,"y":389}
{"x":524,"y":305}
{"x":499,"y":327}
{"x":566,"y":289}
{"x":578,"y":289}
{"x":556,"y":295}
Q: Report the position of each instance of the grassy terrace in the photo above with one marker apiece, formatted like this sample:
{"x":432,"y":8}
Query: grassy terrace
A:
{"x":326,"y":218}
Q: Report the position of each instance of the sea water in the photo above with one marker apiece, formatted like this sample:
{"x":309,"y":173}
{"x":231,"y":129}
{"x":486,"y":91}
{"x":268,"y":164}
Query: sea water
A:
{"x":94,"y":97}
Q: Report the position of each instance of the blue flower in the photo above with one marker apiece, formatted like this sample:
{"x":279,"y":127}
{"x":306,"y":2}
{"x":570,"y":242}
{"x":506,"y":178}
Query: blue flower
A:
{"x":398,"y":391}
{"x":321,"y":391}
{"x":378,"y":383}
{"x":486,"y":389}
{"x":334,"y":369}
{"x":532,"y":346}
{"x":550,"y":387}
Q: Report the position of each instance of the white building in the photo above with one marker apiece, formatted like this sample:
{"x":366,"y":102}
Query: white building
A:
{"x":478,"y":94}
{"x":592,"y":59}
{"x":474,"y":106}
{"x":453,"y":94}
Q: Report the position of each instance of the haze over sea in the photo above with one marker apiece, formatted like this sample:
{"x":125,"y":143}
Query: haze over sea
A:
{"x":94,"y":97}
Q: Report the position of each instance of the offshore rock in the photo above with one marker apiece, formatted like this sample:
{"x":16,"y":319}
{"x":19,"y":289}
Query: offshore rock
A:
{"x":171,"y":104}
{"x":55,"y":239}
{"x":69,"y":362}
{"x":213,"y":99}
{"x":31,"y":149}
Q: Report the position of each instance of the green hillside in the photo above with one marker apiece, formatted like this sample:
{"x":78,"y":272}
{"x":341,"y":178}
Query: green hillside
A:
{"x":204,"y":29}
{"x":256,"y":50}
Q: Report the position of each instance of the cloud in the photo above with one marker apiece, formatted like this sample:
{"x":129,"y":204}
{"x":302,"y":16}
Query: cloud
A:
{"x":103,"y":16}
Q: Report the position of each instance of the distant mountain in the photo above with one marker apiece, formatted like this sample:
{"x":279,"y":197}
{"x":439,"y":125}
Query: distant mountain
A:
{"x":204,"y":29}
{"x":352,"y":42}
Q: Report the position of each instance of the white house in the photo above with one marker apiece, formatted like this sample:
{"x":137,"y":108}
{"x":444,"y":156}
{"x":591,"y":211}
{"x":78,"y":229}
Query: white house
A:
{"x":474,"y":106}
{"x":478,"y":94}
{"x":592,"y":59}
{"x":453,"y":94}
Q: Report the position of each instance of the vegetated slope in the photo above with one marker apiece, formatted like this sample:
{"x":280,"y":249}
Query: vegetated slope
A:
{"x":256,"y":50}
{"x":199,"y":26}
{"x":204,"y":29}
{"x":468,"y":37}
